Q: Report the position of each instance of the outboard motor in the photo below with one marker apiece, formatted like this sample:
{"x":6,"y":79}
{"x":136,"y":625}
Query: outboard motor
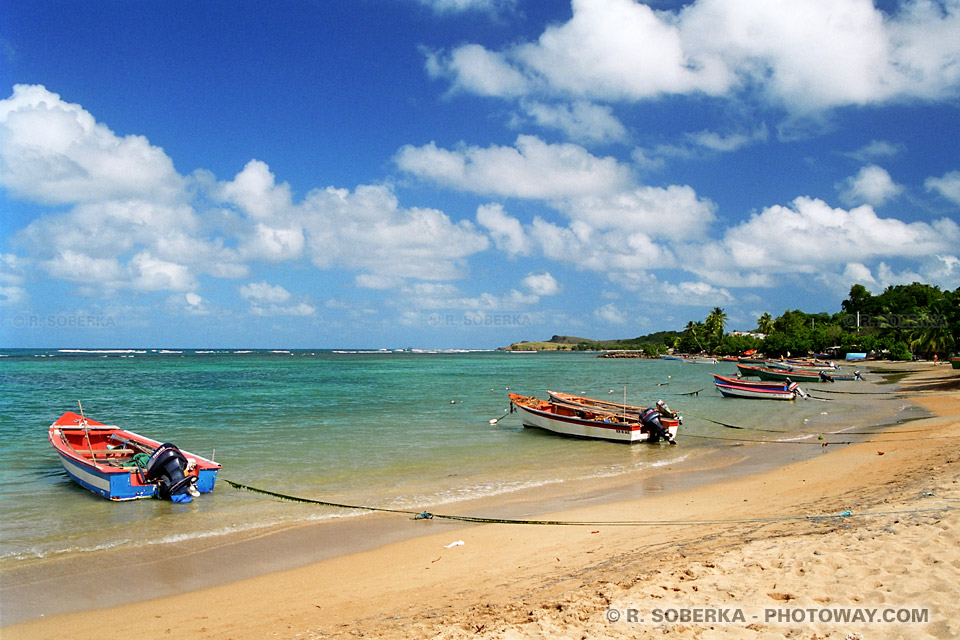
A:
{"x":166,"y":467}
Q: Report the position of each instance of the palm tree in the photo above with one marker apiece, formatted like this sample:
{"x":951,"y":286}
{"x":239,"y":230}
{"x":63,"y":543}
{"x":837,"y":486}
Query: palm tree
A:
{"x":765,"y":324}
{"x":715,"y":324}
{"x":933,"y":334}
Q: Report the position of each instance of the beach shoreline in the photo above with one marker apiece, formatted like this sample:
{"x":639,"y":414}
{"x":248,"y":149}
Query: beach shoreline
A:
{"x":396,"y":579}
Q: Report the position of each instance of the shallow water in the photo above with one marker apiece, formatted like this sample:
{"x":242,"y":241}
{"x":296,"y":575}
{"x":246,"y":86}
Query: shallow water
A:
{"x":399,"y":430}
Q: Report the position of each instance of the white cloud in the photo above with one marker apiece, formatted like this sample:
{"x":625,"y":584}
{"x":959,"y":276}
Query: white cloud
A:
{"x":729,"y":142}
{"x":541,"y":284}
{"x":366,"y":230}
{"x":507,"y":232}
{"x":493,"y":7}
{"x":132,"y":224}
{"x":674,"y":212}
{"x":12,"y":290}
{"x":54,"y":152}
{"x":610,"y":313}
{"x":273,"y":300}
{"x":433,"y":295}
{"x":195,"y":304}
{"x":696,"y":294}
{"x":872,"y":185}
{"x":273,"y":243}
{"x":530,"y":169}
{"x":473,"y":69}
{"x":853,"y":273}
{"x":947,"y":186}
{"x":264,"y":293}
{"x":619,"y":49}
{"x":255,"y":191}
{"x":74,"y":266}
{"x":581,"y":121}
{"x":810,"y":234}
{"x":150,"y":273}
{"x":875,"y":150}
{"x":806,"y":56}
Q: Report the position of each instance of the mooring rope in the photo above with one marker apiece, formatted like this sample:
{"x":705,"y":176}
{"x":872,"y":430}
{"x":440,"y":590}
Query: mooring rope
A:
{"x":815,"y":433}
{"x":425,"y":515}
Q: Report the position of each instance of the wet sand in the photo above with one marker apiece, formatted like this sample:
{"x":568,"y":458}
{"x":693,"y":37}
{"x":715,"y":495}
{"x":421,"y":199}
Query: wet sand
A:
{"x":387,"y":576}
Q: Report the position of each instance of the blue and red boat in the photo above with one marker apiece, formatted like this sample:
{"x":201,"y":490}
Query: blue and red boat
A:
{"x":739,"y":388}
{"x":122,"y":465}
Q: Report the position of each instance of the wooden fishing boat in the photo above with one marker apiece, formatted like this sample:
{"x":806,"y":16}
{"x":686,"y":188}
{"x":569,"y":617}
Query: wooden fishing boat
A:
{"x":620,"y":408}
{"x":823,"y":365}
{"x":737,"y":388}
{"x":783,"y":374}
{"x":749,"y":370}
{"x":836,"y":376}
{"x":796,"y":365}
{"x":759,"y":384}
{"x":583,"y":422}
{"x":122,"y":465}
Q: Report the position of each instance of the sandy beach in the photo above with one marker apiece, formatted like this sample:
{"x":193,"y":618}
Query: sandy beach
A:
{"x":865,"y":530}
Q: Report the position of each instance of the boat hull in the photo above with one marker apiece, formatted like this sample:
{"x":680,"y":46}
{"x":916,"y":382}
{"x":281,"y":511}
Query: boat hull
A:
{"x":785,"y":392}
{"x":782,"y":375}
{"x":550,"y":418}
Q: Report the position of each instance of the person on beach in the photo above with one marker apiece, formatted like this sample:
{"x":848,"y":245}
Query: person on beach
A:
{"x":650,"y":418}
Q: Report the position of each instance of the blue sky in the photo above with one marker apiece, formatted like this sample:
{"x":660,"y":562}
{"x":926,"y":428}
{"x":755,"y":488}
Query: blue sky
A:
{"x":465,"y":173}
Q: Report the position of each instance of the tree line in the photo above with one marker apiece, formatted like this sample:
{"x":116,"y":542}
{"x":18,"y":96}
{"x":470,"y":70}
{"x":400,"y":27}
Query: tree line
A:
{"x":902,"y":322}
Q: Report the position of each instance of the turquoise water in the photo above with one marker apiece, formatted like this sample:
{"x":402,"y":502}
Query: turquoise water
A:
{"x":407,"y":430}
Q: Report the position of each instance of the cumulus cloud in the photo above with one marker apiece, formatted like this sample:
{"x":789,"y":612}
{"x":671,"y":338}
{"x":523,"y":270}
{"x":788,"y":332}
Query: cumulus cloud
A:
{"x":675,"y":211}
{"x":132,"y":222}
{"x":473,"y":69}
{"x":581,"y":121}
{"x":804,"y":56}
{"x":610,"y":313}
{"x":531,"y":168}
{"x":809,"y":234}
{"x":444,"y":296}
{"x":507,"y":232}
{"x":728,"y":142}
{"x":273,"y":300}
{"x":541,"y":284}
{"x":947,"y":186}
{"x":368,"y":231}
{"x":697,"y":294}
{"x":129,"y":225}
{"x":12,"y":290}
{"x":54,"y":152}
{"x":872,"y":185}
{"x":876,"y":150}
{"x":255,"y":192}
{"x":460,"y":6}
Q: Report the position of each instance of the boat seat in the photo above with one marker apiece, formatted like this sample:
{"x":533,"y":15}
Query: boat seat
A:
{"x":104,"y":452}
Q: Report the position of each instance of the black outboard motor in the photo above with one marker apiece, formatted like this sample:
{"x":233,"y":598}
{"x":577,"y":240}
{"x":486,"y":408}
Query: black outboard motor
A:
{"x":166,"y":467}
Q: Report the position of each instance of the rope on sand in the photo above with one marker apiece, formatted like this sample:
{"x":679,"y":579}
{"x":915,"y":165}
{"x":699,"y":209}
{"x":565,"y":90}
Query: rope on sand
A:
{"x":425,"y":515}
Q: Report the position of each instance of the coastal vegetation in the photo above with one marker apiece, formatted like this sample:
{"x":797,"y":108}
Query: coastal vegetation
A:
{"x":902,"y":322}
